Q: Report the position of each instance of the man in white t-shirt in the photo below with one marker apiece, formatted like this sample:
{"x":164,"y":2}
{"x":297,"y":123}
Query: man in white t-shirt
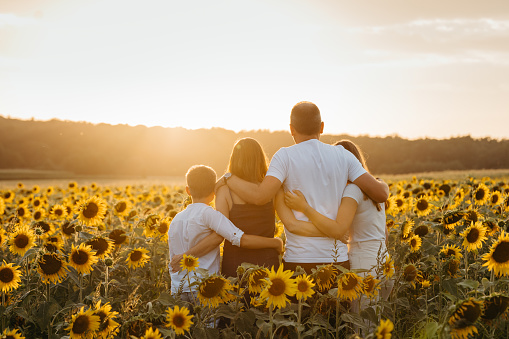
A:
{"x":320,"y":171}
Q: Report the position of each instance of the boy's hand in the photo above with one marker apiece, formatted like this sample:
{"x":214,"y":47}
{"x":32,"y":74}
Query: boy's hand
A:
{"x":279,"y":245}
{"x":175,"y":263}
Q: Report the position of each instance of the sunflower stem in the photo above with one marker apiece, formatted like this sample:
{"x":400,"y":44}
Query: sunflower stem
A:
{"x":299,"y":317}
{"x":466,"y":264}
{"x":3,"y":304}
{"x":106,"y":277}
{"x":271,"y":322}
{"x":337,"y":318}
{"x":81,"y":287}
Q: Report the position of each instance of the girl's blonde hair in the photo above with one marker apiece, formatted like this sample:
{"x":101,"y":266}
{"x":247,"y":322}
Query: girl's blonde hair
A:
{"x":248,"y":160}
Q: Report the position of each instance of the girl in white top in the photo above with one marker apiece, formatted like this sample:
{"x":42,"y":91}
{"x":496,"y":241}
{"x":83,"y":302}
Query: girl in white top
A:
{"x":359,"y":217}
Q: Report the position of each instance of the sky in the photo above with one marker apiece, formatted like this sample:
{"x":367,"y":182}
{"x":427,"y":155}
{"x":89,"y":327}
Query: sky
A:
{"x":416,"y":69}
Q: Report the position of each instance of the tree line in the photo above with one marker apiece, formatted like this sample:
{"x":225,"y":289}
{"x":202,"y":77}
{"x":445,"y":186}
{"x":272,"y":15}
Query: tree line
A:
{"x":102,"y":149}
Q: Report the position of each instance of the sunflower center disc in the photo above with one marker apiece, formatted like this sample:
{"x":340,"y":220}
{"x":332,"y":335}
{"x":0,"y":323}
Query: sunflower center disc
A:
{"x":50,"y":264}
{"x":21,"y":241}
{"x":422,"y":205}
{"x":178,"y":321}
{"x":302,"y":286}
{"x":501,"y":252}
{"x":6,"y":275}
{"x":410,"y":273}
{"x":350,"y":283}
{"x":136,"y":256}
{"x":473,"y":235}
{"x":80,"y":257}
{"x":479,"y":195}
{"x":91,"y":210}
{"x":121,"y":206}
{"x":278,"y":287}
{"x":212,"y":288}
{"x":80,"y":325}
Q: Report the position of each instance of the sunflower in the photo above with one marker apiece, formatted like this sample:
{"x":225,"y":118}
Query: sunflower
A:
{"x":179,"y":319}
{"x":53,"y":244}
{"x":497,"y":259}
{"x":152,"y":334}
{"x":162,"y":228}
{"x":350,"y":286}
{"x":421,"y":231}
{"x":425,"y":283}
{"x":2,"y":206}
{"x":388,"y":266}
{"x":137,"y":258}
{"x":481,"y":194}
{"x":305,"y":286}
{"x":422,"y":207}
{"x":68,"y":229}
{"x":150,"y":225}
{"x":107,"y":326}
{"x":58,"y":212}
{"x":462,"y":321}
{"x":491,"y":226}
{"x":82,"y":258}
{"x":371,"y":286}
{"x":23,"y":212}
{"x":495,"y":198}
{"x":472,"y":216}
{"x":214,"y":290}
{"x":91,"y":211}
{"x":451,"y":251}
{"x":44,"y":227}
{"x":73,"y":185}
{"x":325,"y":277}
{"x":280,"y":285}
{"x":473,"y":236}
{"x":38,"y":202}
{"x":52,"y":268}
{"x":257,"y":280}
{"x":122,"y":207}
{"x":101,"y":246}
{"x":396,"y":204}
{"x":494,"y":306}
{"x":83,"y":325}
{"x":406,"y":229}
{"x":411,"y":274}
{"x":22,"y":240}
{"x":11,"y":334}
{"x":118,"y":236}
{"x":415,"y":243}
{"x":2,"y":237}
{"x":8,"y":196}
{"x":10,"y":277}
{"x":38,"y":214}
{"x":189,"y":263}
{"x":452,"y":268}
{"x":384,"y":330}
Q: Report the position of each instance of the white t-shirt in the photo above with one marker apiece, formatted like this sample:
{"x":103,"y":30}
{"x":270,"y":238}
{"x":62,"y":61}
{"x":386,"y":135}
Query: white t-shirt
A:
{"x":192,"y":225}
{"x":320,"y":171}
{"x":368,"y":223}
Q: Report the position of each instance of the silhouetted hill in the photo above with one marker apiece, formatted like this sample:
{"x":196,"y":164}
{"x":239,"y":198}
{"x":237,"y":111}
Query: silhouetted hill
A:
{"x":88,"y":149}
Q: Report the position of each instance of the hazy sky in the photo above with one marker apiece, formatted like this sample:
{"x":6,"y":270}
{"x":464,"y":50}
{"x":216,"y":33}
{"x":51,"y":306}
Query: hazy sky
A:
{"x":428,"y":68}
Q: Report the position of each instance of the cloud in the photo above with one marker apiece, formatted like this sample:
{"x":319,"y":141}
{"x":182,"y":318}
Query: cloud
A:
{"x":9,"y":19}
{"x":442,"y":30}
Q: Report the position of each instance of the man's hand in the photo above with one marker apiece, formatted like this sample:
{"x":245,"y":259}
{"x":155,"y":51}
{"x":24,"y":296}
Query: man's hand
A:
{"x":220,"y":182}
{"x":175,"y":263}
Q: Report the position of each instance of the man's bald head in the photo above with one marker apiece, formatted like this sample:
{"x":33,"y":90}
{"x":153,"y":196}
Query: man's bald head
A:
{"x":306,"y":118}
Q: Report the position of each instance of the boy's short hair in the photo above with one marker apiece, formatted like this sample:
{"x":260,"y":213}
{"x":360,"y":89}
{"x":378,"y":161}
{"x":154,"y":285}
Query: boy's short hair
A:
{"x":306,"y":118}
{"x":201,"y":180}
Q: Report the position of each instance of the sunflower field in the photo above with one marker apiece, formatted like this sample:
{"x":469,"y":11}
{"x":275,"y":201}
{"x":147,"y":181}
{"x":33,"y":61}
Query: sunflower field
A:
{"x":92,"y":262}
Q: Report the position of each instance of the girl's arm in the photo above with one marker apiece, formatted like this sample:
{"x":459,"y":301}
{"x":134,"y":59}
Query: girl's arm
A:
{"x":299,"y":227}
{"x":333,"y":228}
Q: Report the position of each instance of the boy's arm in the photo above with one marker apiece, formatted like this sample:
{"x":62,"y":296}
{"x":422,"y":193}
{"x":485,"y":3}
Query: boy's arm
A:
{"x":256,"y":242}
{"x":377,"y":190}
{"x":292,"y":224}
{"x":204,"y":246}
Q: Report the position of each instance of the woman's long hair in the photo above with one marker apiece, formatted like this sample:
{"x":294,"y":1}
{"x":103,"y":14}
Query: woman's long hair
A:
{"x":248,"y":160}
{"x":355,"y":150}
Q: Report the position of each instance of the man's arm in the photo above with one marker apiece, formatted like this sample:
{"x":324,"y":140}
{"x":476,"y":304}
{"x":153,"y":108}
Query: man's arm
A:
{"x":253,"y":193}
{"x":375,"y":189}
{"x":292,"y":224}
{"x":257,"y":242}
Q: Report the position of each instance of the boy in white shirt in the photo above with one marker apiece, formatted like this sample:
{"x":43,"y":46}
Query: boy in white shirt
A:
{"x":199,"y":220}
